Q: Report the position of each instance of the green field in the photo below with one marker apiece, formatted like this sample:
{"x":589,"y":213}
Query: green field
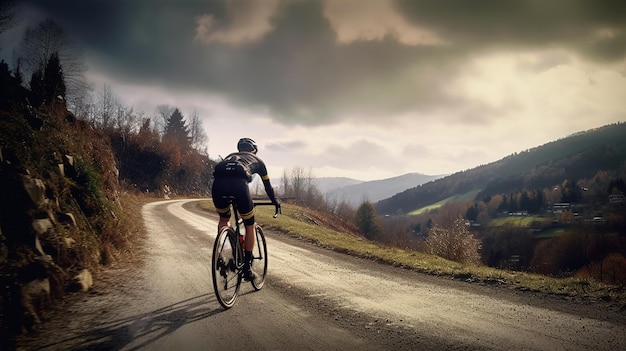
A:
{"x":518,"y":221}
{"x":463,"y":197}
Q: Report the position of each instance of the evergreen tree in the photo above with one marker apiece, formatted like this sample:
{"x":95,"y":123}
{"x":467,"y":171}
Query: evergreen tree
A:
{"x":53,"y":81}
{"x":504,"y":205}
{"x":524,"y":201}
{"x":18,"y":74}
{"x":177,"y":130}
{"x":571,"y":192}
{"x":36,"y":88}
{"x":366,"y":220}
{"x":47,"y":85}
{"x":40,"y":43}
{"x":472,"y":212}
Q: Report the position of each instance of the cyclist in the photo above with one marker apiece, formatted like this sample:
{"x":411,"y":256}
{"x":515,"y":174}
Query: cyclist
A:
{"x":231,"y":178}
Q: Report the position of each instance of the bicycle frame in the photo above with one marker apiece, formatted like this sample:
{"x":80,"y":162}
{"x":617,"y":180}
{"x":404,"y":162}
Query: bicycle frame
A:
{"x":228,"y":258}
{"x":240,"y":239}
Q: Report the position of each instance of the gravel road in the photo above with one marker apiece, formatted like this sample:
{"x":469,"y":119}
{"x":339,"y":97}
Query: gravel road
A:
{"x":314,"y":299}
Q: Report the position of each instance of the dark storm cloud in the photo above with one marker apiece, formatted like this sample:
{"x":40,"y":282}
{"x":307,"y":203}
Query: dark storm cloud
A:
{"x":301,"y":74}
{"x":521,"y":23}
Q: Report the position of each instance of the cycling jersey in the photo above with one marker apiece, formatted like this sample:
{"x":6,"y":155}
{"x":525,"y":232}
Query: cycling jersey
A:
{"x":231,"y":176}
{"x":241,"y":164}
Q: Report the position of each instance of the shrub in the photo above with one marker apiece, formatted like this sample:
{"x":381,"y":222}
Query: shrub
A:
{"x":610,"y":270}
{"x":455,"y":243}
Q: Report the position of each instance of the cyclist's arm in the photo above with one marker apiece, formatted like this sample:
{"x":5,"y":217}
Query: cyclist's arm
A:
{"x":268,"y":189}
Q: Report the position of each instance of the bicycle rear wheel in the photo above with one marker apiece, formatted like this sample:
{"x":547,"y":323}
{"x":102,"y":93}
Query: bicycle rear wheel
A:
{"x":259,"y":259}
{"x":226,"y":277}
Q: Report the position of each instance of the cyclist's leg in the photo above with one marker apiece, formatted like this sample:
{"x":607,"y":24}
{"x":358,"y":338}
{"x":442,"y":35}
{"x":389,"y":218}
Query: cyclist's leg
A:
{"x":246,"y":209}
{"x":238,"y":188}
{"x":249,"y":244}
{"x":218,"y":191}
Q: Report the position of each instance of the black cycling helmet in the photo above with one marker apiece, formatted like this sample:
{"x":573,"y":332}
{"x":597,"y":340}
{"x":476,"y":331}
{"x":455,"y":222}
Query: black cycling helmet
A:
{"x":247,"y":144}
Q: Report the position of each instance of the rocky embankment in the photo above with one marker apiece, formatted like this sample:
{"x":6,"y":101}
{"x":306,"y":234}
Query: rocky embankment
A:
{"x":59,"y":214}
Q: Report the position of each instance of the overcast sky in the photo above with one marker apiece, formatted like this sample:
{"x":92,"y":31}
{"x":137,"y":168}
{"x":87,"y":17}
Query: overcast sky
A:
{"x":367,"y":89}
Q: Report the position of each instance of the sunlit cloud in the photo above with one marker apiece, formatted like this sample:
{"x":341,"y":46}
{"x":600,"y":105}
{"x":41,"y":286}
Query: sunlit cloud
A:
{"x":247,"y":21}
{"x":366,"y":20}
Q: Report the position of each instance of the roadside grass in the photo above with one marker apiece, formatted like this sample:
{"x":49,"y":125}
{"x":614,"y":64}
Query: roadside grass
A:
{"x":293,"y":222}
{"x":134,"y":232}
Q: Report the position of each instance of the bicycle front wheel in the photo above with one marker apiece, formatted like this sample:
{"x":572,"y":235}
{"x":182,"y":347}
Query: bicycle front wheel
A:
{"x":226,"y":277}
{"x":259,"y":259}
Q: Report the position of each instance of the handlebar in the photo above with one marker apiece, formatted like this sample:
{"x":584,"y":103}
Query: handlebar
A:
{"x":278,"y":210}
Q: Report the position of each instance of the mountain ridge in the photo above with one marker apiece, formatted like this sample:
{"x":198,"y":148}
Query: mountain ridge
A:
{"x":355,"y":192}
{"x":579,"y":155}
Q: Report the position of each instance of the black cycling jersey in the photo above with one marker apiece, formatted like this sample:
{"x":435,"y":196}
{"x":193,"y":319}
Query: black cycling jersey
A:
{"x":241,"y":164}
{"x":231,"y":177}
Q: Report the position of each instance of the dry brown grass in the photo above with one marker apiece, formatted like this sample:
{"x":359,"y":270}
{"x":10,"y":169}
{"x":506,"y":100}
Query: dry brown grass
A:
{"x":126,"y":238}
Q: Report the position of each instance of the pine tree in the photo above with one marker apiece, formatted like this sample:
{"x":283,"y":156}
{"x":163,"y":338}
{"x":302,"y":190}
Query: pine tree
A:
{"x":47,"y":85}
{"x":53,"y":81}
{"x":36,"y":88}
{"x":366,"y":220}
{"x":177,"y":130}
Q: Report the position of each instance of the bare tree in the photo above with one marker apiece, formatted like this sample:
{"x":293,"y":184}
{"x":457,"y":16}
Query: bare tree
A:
{"x":285,"y":183}
{"x":84,"y":108}
{"x":162,"y":115}
{"x":40,"y":43}
{"x":197,"y":133}
{"x":7,"y":16}
{"x":126,"y":120}
{"x":299,"y":185}
{"x":106,"y":106}
{"x":295,"y":183}
{"x":110,"y":112}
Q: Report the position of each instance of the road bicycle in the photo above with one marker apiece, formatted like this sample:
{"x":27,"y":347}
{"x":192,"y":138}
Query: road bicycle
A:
{"x":228,"y":258}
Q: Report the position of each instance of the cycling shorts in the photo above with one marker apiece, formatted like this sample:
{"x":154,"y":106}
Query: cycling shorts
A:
{"x":238,"y":188}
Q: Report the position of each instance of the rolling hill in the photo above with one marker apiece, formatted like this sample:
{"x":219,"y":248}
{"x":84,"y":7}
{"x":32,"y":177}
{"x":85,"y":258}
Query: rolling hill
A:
{"x":355,"y":192}
{"x":329,"y":184}
{"x":574,"y":157}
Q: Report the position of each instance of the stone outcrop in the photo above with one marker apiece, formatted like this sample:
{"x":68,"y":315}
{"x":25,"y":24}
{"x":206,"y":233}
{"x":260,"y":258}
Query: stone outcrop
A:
{"x":36,"y":238}
{"x":58,"y":188}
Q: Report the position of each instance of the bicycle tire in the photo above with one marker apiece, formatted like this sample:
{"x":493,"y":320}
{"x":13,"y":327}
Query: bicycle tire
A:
{"x":259,"y":259}
{"x":225,"y":273}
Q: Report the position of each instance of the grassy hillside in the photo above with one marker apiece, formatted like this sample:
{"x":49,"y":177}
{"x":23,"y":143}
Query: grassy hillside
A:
{"x":577,"y":156}
{"x":460,"y":197}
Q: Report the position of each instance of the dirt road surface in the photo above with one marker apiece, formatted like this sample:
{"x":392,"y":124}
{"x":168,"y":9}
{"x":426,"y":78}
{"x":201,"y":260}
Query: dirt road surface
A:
{"x":314,"y":299}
